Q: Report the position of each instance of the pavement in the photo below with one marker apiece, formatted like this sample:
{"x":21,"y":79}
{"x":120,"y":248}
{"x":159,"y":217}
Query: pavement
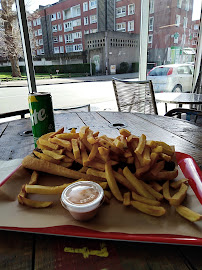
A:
{"x":23,"y":83}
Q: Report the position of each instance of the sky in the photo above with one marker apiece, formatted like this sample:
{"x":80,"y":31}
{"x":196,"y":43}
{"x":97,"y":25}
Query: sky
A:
{"x":34,"y":4}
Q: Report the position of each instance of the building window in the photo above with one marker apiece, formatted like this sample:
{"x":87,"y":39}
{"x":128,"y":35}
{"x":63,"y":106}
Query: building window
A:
{"x":69,"y":48}
{"x":121,"y":27}
{"x":61,"y":49}
{"x":179,"y":3}
{"x":131,"y":9}
{"x":76,"y":22}
{"x":92,"y":4}
{"x":77,"y":35}
{"x":177,"y":20}
{"x":151,"y":6}
{"x":93,"y":31}
{"x":36,"y":33}
{"x":120,"y":12}
{"x":42,"y":51}
{"x":40,"y":41}
{"x":176,"y":37}
{"x":131,"y":26}
{"x":151,"y":23}
{"x":29,"y":24}
{"x":34,"y":22}
{"x":38,"y":21}
{"x":68,"y":38}
{"x":76,"y":11}
{"x":67,"y":14}
{"x":196,"y":26}
{"x":85,"y":6}
{"x":195,"y":34}
{"x":185,"y":22}
{"x":54,"y":28}
{"x":187,"y":5}
{"x":150,"y":39}
{"x":56,"y":50}
{"x":86,"y":32}
{"x":60,"y":38}
{"x":68,"y":26}
{"x":55,"y":39}
{"x":39,"y":32}
{"x":85,"y":20}
{"x":59,"y":15}
{"x":93,"y":19}
{"x":59,"y":27}
{"x":77,"y":48}
{"x":194,"y":42}
{"x":53,"y":17}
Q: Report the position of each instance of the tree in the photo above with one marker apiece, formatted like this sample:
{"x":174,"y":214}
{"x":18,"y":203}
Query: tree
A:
{"x":10,"y":36}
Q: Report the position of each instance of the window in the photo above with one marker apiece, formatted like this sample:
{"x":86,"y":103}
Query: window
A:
{"x":77,"y":35}
{"x":77,"y":48}
{"x":60,"y":38}
{"x":85,"y":20}
{"x":195,"y":34}
{"x":151,"y":23}
{"x":93,"y":19}
{"x":34,"y":22}
{"x":120,"y":12}
{"x":93,"y":31}
{"x":76,"y":22}
{"x":40,"y":41}
{"x":53,"y":17}
{"x":121,"y":27}
{"x":177,"y":21}
{"x":59,"y":15}
{"x":86,"y":32}
{"x":92,"y":4}
{"x":56,"y":50}
{"x":179,"y":3}
{"x":68,"y":38}
{"x":196,"y":26}
{"x":38,"y":21}
{"x":61,"y":49}
{"x":184,"y":70}
{"x":42,"y":51}
{"x":185,"y":22}
{"x":39,"y":32}
{"x":150,"y":39}
{"x":36,"y":33}
{"x":194,"y":42}
{"x":67,"y":14}
{"x":59,"y":27}
{"x":55,"y":39}
{"x":37,"y":42}
{"x":151,"y":6}
{"x":187,"y":5}
{"x":176,"y":36}
{"x":85,"y":6}
{"x":54,"y":28}
{"x":131,"y":9}
{"x":76,"y":11}
{"x":131,"y":26}
{"x":69,"y":48}
{"x":68,"y":26}
{"x":29,"y":24}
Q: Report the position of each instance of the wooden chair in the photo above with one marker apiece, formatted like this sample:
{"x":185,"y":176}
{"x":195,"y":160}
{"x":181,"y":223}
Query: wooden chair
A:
{"x":135,"y":96}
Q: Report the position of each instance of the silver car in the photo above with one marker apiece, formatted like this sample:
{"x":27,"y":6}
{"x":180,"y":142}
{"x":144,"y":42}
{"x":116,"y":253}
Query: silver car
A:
{"x":172,"y":78}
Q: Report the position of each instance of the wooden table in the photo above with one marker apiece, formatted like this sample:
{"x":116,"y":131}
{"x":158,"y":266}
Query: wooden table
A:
{"x":33,"y":251}
{"x":179,"y":98}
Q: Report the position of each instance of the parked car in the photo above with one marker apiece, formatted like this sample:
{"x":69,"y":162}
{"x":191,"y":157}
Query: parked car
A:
{"x":172,"y":78}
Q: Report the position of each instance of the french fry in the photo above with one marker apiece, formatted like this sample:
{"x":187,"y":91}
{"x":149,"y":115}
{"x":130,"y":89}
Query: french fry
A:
{"x":146,"y":156}
{"x":22,"y":194}
{"x":53,"y":154}
{"x":123,"y":180}
{"x":166,"y":191}
{"x":152,"y":191}
{"x":188,"y":213}
{"x":141,"y":145}
{"x":179,"y":197}
{"x":108,"y":194}
{"x":139,"y":198}
{"x":67,"y":136}
{"x":157,"y":167}
{"x":60,"y":142}
{"x":112,"y":182}
{"x":48,"y":144}
{"x":61,"y":130}
{"x":83,"y":169}
{"x":104,"y":153}
{"x":34,"y":178}
{"x":141,"y":170}
{"x":33,"y":203}
{"x":156,"y":186}
{"x":151,"y":210}
{"x":126,"y":198}
{"x":90,"y":137}
{"x":177,"y":184}
{"x":75,"y":148}
{"x":96,"y":173}
{"x":45,"y":157}
{"x":124,"y":132}
{"x":38,"y":189}
{"x":84,"y":157}
{"x":93,"y":152}
{"x":83,"y":132}
{"x":136,"y":183}
{"x":104,"y":185}
{"x":65,"y":164}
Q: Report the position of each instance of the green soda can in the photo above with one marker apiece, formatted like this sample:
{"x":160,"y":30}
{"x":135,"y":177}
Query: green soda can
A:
{"x":41,"y":114}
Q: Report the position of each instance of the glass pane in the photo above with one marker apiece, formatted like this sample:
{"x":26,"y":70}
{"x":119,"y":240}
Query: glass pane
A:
{"x":70,"y":44}
{"x":13,"y":83}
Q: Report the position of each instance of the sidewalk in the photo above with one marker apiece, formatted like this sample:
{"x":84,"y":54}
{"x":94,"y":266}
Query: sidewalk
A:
{"x":23,"y":83}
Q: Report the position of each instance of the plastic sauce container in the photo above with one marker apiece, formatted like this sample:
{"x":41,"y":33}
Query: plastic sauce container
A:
{"x":82,"y":199}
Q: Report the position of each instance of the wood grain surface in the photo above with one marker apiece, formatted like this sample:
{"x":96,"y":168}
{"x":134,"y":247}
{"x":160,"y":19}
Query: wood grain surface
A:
{"x":31,"y":251}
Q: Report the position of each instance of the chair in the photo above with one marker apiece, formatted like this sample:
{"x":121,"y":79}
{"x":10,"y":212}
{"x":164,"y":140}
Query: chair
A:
{"x":135,"y":96}
{"x":188,"y":112}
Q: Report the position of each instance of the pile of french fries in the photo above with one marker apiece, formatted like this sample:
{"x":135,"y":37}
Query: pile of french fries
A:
{"x":136,"y":171}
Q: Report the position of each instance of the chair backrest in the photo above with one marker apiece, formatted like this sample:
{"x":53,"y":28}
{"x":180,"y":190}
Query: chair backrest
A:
{"x":135,"y":96}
